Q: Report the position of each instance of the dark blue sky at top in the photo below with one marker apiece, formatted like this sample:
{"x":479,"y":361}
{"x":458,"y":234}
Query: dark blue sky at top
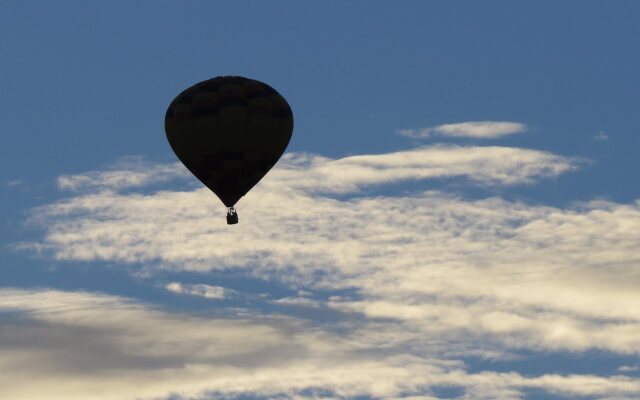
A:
{"x":84,"y":83}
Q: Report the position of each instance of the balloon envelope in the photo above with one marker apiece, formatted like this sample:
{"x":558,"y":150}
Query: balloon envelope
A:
{"x":229,"y":131}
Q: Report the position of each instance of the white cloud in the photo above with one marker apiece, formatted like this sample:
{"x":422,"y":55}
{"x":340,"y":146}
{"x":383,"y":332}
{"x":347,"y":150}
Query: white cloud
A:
{"x":201,"y":290}
{"x":434,"y":276}
{"x":76,"y":345}
{"x":471,"y":129}
{"x":483,"y":165}
{"x":299,"y":301}
{"x":128,"y":172}
{"x":487,"y":165}
{"x":528,"y":276}
{"x":138,"y":228}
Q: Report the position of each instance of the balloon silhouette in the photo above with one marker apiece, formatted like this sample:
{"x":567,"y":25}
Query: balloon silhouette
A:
{"x":229,"y":131}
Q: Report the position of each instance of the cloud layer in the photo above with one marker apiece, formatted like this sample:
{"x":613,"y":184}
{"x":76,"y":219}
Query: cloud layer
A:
{"x":418,"y":283}
{"x":76,"y":345}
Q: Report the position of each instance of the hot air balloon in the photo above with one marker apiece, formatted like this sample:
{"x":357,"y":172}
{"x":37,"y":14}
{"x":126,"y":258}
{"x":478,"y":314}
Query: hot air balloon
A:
{"x":229,"y":131}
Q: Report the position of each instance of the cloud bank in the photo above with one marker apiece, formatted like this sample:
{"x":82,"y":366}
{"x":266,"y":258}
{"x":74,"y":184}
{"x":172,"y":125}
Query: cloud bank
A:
{"x":419,"y":283}
{"x":77,"y":345}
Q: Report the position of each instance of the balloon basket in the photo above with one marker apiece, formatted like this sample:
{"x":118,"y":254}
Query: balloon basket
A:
{"x":232,"y":216}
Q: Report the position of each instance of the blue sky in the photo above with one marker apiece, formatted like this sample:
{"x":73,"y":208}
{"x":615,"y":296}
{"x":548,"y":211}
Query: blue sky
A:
{"x":457,"y":214}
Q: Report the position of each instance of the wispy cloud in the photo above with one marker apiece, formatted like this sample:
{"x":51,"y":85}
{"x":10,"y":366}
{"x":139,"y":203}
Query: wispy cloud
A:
{"x":471,"y":129}
{"x":601,"y":137}
{"x":485,"y":165}
{"x":200,"y":289}
{"x":126,"y":173}
{"x":482,"y":165}
{"x":300,"y":301}
{"x":15,"y":182}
